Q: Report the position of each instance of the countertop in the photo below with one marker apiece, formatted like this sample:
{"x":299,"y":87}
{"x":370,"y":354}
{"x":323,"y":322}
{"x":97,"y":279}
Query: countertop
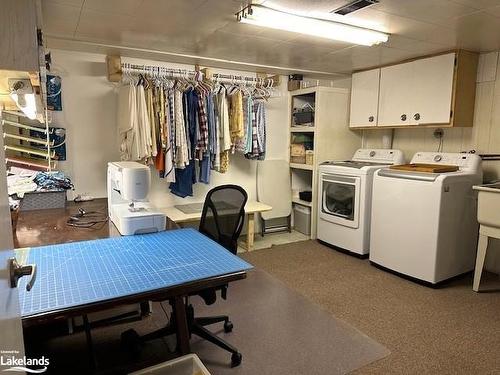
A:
{"x":48,"y":227}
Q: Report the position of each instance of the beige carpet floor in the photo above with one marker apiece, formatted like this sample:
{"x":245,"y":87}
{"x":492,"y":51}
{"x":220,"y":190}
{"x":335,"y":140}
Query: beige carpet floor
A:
{"x":450,"y":330}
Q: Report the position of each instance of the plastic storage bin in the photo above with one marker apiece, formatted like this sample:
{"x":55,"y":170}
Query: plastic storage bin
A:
{"x":43,"y":200}
{"x":302,"y":219}
{"x":188,"y":364}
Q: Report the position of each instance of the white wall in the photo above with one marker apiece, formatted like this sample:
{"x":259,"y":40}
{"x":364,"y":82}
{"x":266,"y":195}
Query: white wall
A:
{"x":89,"y":115}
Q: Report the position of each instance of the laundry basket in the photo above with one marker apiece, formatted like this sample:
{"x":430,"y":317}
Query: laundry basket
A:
{"x":188,"y":364}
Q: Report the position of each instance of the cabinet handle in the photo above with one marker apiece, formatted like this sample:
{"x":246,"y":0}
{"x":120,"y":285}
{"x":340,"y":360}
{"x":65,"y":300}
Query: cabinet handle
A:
{"x":403,"y":117}
{"x":371,"y":118}
{"x":416,"y":116}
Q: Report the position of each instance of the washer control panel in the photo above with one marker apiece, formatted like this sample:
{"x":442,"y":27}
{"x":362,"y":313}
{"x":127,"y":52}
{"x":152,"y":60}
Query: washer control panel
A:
{"x":464,"y":161}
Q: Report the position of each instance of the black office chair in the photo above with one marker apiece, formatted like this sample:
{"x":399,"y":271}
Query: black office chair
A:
{"x":222,"y":220}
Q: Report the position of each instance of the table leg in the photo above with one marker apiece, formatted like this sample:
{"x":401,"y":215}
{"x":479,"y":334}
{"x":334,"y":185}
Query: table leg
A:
{"x":250,"y":231}
{"x":90,"y":345}
{"x":482,"y":245}
{"x":179,"y":311}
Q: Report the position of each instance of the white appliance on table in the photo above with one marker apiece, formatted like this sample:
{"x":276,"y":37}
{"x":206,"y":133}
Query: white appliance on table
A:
{"x":345,"y":201}
{"x":424,"y":224}
{"x":128,"y":207}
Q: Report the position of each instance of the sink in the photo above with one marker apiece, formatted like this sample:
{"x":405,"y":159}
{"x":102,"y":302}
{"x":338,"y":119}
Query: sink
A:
{"x":488,"y":206}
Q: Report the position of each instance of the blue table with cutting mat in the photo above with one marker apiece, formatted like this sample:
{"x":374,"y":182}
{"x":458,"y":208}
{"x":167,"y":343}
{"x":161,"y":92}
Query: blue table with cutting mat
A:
{"x":74,"y":279}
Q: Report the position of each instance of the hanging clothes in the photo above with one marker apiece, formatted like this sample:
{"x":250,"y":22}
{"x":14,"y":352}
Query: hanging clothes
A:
{"x":202,"y":144}
{"x":181,"y":152}
{"x":188,"y":128}
{"x":236,"y":123}
{"x":169,"y":173}
{"x":258,"y":132}
{"x":143,"y":125}
{"x":127,"y":122}
{"x":225,"y":132}
{"x":184,"y":180}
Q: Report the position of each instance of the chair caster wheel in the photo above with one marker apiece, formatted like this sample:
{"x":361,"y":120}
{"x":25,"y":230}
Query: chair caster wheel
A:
{"x":131,"y":341}
{"x":236,"y":359}
{"x":228,"y":326}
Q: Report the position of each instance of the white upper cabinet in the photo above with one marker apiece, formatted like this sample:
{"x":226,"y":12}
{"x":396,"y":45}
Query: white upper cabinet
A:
{"x":364,"y":98}
{"x":432,"y":91}
{"x":396,"y":95}
{"x":18,"y":36}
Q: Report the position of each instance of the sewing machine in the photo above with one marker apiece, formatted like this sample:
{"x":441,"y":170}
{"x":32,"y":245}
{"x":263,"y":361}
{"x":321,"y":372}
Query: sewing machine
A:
{"x":128,"y":207}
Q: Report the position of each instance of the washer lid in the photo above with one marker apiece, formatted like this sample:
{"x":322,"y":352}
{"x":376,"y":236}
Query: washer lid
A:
{"x":418,"y":176}
{"x":354,"y":164}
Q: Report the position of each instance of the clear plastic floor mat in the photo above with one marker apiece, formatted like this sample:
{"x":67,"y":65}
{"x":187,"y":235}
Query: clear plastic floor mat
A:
{"x":278,"y":331}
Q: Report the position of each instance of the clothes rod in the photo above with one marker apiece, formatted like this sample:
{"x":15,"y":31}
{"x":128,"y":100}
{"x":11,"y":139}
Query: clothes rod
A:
{"x":161,"y":71}
{"x":115,"y":69}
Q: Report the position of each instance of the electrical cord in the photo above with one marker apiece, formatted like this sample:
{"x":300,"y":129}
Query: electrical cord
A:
{"x":87,"y":219}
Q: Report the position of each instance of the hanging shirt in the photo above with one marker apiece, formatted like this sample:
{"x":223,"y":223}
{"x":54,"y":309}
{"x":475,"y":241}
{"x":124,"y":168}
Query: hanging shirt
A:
{"x":225,"y":135}
{"x":169,"y":173}
{"x":151,"y":135}
{"x":258,"y":132}
{"x":202,"y":144}
{"x":236,"y":123}
{"x":249,"y":124}
{"x":143,"y":124}
{"x":182,"y":156}
{"x":127,"y":122}
{"x":216,"y":146}
{"x":184,"y":180}
{"x":192,"y":111}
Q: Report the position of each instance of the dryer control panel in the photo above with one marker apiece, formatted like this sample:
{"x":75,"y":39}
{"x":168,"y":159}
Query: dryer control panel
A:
{"x":383,"y":156}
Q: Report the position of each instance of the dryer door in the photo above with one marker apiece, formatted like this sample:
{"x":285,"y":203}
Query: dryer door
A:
{"x":340,"y":199}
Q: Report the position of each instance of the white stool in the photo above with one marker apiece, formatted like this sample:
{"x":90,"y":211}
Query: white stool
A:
{"x":484,"y":233}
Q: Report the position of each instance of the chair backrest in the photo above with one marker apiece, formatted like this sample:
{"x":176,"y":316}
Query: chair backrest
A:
{"x":223,"y":215}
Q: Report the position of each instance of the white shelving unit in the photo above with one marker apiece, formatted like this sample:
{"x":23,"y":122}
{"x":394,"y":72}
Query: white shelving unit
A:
{"x":332,"y":139}
{"x":23,"y":149}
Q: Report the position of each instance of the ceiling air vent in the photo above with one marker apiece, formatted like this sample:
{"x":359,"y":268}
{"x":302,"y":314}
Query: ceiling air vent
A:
{"x":354,"y":6}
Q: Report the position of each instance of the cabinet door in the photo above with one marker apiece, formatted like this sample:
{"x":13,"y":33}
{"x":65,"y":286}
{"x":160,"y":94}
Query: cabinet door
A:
{"x":364,"y":98}
{"x":394,"y":108}
{"x":432,"y":89}
{"x":18,"y":39}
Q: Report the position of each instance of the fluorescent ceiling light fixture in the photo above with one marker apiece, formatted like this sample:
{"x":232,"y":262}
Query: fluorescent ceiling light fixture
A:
{"x":275,"y":19}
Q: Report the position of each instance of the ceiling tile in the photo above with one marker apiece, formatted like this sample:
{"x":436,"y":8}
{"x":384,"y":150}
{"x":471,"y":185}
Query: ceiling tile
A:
{"x":478,"y":32}
{"x":75,"y":3}
{"x":59,"y":18}
{"x":235,"y":47}
{"x":435,"y":11}
{"x":178,"y":12}
{"x":298,"y":54}
{"x":495,"y":11}
{"x":478,"y":4}
{"x":127,"y":7}
{"x":414,"y":45}
{"x":103,"y":26}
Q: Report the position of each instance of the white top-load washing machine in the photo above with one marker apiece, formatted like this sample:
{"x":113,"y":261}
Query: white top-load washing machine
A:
{"x":424,"y":224}
{"x":345,"y":189}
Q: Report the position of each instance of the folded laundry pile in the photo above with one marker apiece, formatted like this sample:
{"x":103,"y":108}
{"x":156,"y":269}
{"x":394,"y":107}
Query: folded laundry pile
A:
{"x":21,"y":181}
